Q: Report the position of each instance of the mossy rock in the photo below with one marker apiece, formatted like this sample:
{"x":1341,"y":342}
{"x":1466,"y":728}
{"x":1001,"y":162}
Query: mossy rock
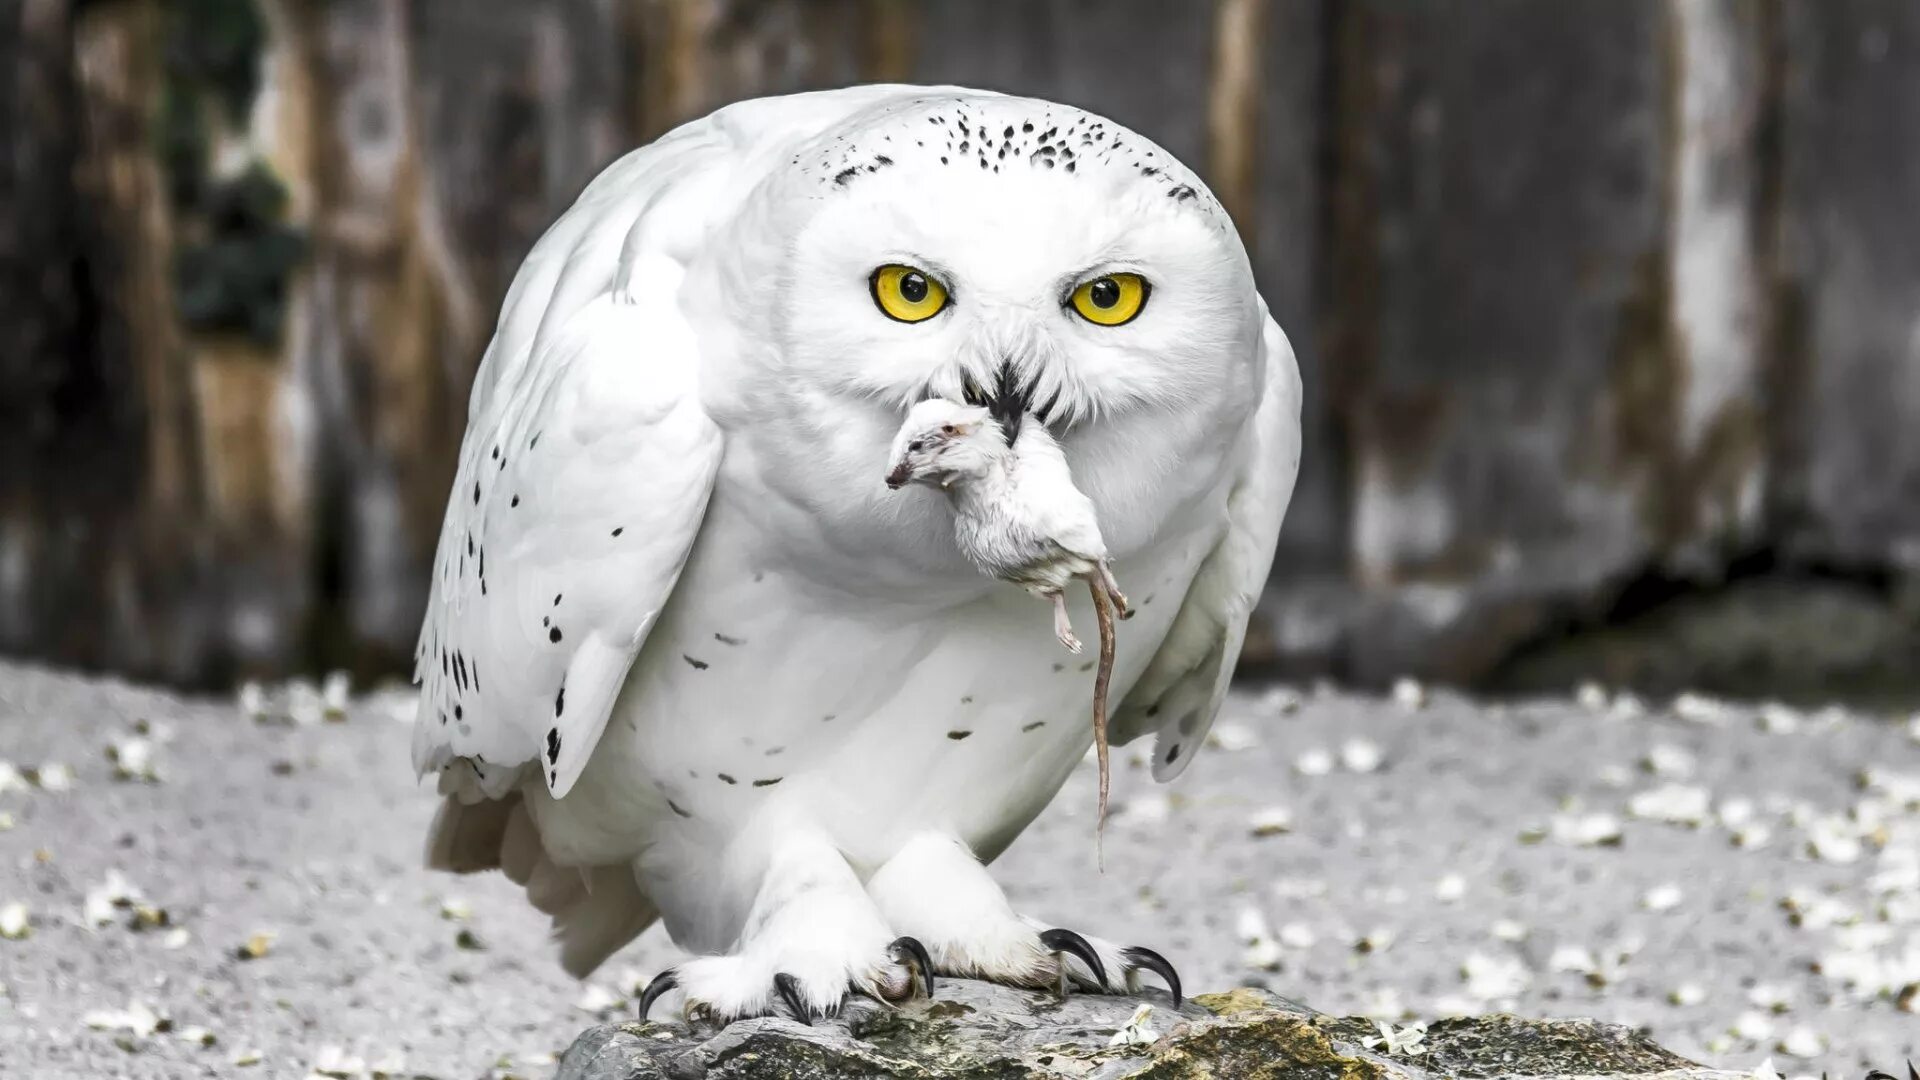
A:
{"x":977,"y":1031}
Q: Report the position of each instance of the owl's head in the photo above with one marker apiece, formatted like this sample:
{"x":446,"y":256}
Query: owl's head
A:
{"x":1011,"y":253}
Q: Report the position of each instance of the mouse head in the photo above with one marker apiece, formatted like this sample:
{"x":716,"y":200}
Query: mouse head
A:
{"x":944,"y":442}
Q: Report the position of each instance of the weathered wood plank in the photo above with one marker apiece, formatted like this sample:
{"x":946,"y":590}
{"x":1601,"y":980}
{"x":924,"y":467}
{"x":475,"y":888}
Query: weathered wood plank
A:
{"x":1848,"y":470}
{"x":1499,"y":313}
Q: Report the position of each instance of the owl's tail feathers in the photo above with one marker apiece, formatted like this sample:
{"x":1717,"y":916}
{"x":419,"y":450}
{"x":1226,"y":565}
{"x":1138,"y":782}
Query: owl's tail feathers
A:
{"x":596,"y":910}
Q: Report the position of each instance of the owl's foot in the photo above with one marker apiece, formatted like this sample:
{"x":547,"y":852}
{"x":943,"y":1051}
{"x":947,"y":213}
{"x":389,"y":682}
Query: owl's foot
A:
{"x":812,"y":937}
{"x":719,"y":988}
{"x":934,"y":889}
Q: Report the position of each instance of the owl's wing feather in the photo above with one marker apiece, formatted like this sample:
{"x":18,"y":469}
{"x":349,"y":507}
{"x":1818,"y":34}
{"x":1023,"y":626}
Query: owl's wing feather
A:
{"x":1182,"y":688}
{"x":583,"y":480}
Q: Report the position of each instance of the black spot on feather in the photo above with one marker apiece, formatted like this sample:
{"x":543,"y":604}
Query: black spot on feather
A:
{"x":768,"y":783}
{"x":845,"y":175}
{"x":1030,"y":727}
{"x":560,"y":700}
{"x":725,"y":640}
{"x":553,"y":635}
{"x":619,"y":530}
{"x":1180,"y":194}
{"x":698,"y":665}
{"x":956,"y":736}
{"x":725,"y":778}
{"x":553,"y":746}
{"x":675,"y":807}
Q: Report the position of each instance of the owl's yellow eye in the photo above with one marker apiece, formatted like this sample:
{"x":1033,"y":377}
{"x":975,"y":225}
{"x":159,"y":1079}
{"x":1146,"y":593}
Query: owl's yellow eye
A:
{"x":1111,"y":299}
{"x":907,"y":295}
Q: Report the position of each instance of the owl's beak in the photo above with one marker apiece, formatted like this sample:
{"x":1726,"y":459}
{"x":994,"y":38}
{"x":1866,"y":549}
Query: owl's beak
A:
{"x":898,"y":476}
{"x":1010,"y":400}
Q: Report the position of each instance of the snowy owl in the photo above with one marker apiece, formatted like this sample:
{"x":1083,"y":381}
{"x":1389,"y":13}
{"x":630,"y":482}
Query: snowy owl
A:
{"x":688,"y":658}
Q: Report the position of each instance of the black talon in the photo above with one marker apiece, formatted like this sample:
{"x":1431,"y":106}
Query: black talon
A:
{"x":1142,"y":957}
{"x":915,"y":955}
{"x":789,"y":989}
{"x":1066,"y":941}
{"x":656,"y":989}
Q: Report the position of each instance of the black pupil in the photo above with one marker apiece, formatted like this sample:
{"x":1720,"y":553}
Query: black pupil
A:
{"x":913,"y":288}
{"x":1104,"y":293}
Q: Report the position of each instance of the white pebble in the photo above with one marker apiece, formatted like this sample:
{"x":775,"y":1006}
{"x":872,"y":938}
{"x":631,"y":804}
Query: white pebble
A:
{"x":1778,"y":719}
{"x":137,"y":1018}
{"x":1251,"y":926}
{"x":1753,"y":1026}
{"x":1272,"y":821}
{"x":1832,"y":839}
{"x":1510,"y":930}
{"x":104,"y":900}
{"x":252,"y":699}
{"x":1675,"y":804}
{"x":1662,"y":898}
{"x":10,"y":778}
{"x":1378,"y":940}
{"x":1591,"y":696}
{"x":15,"y":923}
{"x":1751,"y":837}
{"x":1773,"y":997}
{"x":1585,"y":830}
{"x":1802,"y":1043}
{"x":1491,"y":978}
{"x":336,"y":693}
{"x":1626,"y":706}
{"x":1263,"y":955}
{"x":332,"y":1061}
{"x":54,"y":777}
{"x":1614,"y":775}
{"x":1450,"y":888}
{"x":1233,"y":738}
{"x":597,"y":999}
{"x":1668,"y":762}
{"x":1280,"y":699}
{"x":1153,"y":808}
{"x":132,"y":760}
{"x":1360,"y":755}
{"x":1575,"y":958}
{"x":176,"y":938}
{"x":1701,"y":709}
{"x":1296,"y":935}
{"x":1314,"y":762}
{"x":1687,"y":994}
{"x":455,"y":909}
{"x":1409,"y":694}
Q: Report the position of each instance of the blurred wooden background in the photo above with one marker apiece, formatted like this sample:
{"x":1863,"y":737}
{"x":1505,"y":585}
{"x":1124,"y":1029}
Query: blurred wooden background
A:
{"x":1604,"y":306}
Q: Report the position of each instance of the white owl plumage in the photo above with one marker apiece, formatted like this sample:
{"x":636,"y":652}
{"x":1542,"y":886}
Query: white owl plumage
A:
{"x":687,"y":658}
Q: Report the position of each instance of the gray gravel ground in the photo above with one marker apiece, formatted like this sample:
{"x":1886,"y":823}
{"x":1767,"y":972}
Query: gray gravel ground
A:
{"x":310,"y":833}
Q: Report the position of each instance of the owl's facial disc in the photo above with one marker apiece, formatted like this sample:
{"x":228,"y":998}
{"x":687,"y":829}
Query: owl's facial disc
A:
{"x":1027,"y":258}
